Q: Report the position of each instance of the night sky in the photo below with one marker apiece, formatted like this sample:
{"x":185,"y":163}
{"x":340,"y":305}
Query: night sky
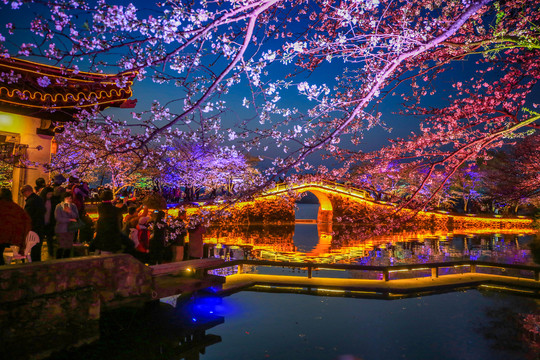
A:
{"x":147,"y":91}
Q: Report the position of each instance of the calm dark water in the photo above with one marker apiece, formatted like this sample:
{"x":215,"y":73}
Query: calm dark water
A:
{"x":451,"y":326}
{"x":258,"y":326}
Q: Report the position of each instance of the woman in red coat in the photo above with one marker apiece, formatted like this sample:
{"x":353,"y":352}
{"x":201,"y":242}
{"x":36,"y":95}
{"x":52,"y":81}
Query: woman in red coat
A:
{"x":15,"y":223}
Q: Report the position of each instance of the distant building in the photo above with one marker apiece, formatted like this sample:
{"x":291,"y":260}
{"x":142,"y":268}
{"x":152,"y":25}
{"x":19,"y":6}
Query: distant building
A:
{"x":35,"y":100}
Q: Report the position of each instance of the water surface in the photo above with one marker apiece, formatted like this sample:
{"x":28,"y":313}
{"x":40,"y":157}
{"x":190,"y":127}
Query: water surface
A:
{"x":258,"y":326}
{"x":333,"y":243}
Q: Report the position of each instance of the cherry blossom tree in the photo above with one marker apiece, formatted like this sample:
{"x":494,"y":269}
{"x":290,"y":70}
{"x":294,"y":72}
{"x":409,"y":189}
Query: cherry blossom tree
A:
{"x":512,"y":178}
{"x":200,"y":165}
{"x":527,"y":159}
{"x":467,"y":186}
{"x":87,"y":151}
{"x":382,"y":180}
{"x":344,"y":58}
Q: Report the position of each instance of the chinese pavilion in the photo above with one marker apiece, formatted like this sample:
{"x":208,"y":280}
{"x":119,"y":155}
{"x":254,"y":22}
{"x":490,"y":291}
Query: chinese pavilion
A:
{"x":35,"y":99}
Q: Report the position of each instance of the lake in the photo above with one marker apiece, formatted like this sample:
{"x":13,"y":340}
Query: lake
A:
{"x":257,"y":326}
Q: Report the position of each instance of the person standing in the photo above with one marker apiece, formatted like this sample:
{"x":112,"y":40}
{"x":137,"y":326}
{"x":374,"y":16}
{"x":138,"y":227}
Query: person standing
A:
{"x":156,"y":250}
{"x":50,"y":201}
{"x":40,"y":184}
{"x":80,"y":192}
{"x":15,"y":223}
{"x":131,"y":219}
{"x":195,"y":245}
{"x":109,"y":237}
{"x":179,"y":231}
{"x":143,"y":233}
{"x":66,"y":212}
{"x":35,"y":208}
{"x":129,"y":227}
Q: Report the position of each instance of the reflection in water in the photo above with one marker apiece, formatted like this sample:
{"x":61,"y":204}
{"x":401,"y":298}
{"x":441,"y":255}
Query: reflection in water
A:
{"x":163,"y":330}
{"x":325,"y":243}
{"x":306,"y":238}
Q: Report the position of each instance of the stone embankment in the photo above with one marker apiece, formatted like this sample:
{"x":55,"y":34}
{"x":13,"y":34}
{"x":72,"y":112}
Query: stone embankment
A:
{"x":46,"y":306}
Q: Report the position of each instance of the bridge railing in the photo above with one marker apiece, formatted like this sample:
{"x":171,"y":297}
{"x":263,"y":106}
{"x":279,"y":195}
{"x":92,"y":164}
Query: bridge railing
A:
{"x":385,"y":272}
{"x":326,"y":184}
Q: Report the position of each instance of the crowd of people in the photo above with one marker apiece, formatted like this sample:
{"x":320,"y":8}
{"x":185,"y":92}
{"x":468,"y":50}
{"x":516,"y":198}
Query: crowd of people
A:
{"x":57,"y":213}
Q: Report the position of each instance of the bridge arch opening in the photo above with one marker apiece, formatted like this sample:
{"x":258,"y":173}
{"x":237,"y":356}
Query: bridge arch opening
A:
{"x":314,"y":239}
{"x":325,"y":210}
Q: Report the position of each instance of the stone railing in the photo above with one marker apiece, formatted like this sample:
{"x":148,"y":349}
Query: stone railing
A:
{"x":329,"y":186}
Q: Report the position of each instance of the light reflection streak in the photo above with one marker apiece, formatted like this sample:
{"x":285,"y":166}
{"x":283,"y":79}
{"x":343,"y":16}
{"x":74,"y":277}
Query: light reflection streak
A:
{"x":273,"y":242}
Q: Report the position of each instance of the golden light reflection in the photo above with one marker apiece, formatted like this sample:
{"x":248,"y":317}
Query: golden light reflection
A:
{"x":277,"y":243}
{"x":267,"y":243}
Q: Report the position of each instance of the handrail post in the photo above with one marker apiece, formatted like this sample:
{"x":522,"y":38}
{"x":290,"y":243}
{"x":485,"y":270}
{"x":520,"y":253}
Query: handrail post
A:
{"x":386,"y":275}
{"x":473,"y":268}
{"x":309,"y":270}
{"x":240,"y":269}
{"x":435,"y":272}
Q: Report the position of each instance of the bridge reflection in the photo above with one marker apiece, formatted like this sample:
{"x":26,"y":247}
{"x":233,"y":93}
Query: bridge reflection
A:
{"x":337,"y":244}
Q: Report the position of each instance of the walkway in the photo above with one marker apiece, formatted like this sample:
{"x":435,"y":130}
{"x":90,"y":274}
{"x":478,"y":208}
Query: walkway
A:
{"x":184,"y":277}
{"x":377,"y":288}
{"x":385,"y":282}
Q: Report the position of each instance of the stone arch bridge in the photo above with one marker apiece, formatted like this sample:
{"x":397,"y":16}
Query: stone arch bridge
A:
{"x":324,"y":191}
{"x":330,"y":193}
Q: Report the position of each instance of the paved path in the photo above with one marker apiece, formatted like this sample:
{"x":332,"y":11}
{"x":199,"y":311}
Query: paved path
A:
{"x":184,"y":277}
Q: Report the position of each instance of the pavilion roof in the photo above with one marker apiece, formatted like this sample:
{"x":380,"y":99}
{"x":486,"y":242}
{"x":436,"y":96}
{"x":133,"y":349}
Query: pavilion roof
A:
{"x":53,"y":92}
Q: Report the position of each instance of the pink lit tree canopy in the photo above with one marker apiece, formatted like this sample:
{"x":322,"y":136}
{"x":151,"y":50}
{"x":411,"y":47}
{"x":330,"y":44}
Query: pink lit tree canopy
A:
{"x":299,"y":78}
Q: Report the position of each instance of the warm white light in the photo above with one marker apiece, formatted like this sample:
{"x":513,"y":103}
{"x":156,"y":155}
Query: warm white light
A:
{"x":6,"y":120}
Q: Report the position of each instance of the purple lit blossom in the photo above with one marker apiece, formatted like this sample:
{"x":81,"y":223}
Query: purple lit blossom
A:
{"x":44,"y":81}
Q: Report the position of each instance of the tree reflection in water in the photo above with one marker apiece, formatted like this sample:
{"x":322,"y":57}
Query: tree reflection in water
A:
{"x":513,"y":327}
